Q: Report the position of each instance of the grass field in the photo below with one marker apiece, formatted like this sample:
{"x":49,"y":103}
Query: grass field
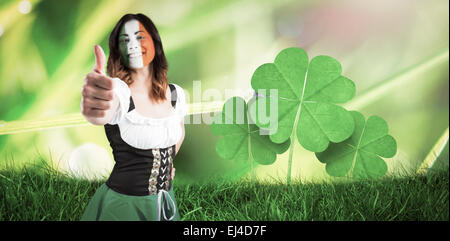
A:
{"x":39,"y":193}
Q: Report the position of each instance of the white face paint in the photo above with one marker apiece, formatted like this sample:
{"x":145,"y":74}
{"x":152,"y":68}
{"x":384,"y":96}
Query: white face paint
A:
{"x":130,"y":46}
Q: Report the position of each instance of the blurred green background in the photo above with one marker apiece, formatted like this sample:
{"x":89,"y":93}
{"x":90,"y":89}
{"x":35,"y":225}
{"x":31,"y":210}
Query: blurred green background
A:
{"x":396,"y":52}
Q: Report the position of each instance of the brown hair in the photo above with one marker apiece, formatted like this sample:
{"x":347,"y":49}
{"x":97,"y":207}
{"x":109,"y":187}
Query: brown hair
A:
{"x":158,"y":67}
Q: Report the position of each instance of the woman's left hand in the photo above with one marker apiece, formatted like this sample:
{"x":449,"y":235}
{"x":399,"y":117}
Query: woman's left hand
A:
{"x":173,"y":172}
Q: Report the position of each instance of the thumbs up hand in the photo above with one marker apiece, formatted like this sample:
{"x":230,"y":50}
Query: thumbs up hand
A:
{"x":100,"y":60}
{"x":98,"y":102}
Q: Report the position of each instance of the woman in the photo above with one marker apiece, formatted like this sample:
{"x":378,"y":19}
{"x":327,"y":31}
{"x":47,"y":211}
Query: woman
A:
{"x":143,"y":119}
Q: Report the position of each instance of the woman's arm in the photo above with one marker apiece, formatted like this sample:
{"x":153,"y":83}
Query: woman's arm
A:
{"x":98,"y":100}
{"x":178,"y":145}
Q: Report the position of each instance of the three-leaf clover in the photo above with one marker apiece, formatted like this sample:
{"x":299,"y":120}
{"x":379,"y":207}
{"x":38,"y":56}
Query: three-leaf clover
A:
{"x":303,"y":96}
{"x":360,"y":155}
{"x":241,"y":139}
{"x":307,"y":94}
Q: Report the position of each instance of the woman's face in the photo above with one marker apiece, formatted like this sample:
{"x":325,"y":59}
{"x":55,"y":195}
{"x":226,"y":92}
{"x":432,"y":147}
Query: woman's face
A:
{"x":135,"y":45}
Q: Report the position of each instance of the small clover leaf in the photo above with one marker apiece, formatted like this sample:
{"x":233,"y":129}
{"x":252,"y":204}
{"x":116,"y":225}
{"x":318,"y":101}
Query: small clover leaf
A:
{"x":360,"y":155}
{"x":239,"y":135}
{"x":307,"y":94}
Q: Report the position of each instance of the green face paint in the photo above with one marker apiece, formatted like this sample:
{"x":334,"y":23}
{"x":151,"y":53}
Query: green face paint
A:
{"x":124,"y":39}
{"x":135,"y":45}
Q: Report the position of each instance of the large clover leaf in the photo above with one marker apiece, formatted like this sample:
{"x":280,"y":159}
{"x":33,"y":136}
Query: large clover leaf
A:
{"x":239,"y":136}
{"x":307,"y":94}
{"x":360,"y":154}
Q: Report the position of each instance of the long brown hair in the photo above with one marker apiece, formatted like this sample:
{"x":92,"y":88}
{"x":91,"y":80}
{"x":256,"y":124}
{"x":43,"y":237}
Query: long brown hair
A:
{"x":158,"y":67}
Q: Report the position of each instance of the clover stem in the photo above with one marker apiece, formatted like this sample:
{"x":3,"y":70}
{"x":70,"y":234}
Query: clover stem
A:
{"x":293,"y":140}
{"x":294,"y":132}
{"x":291,"y":150}
{"x":250,"y":157}
{"x":356,"y":153}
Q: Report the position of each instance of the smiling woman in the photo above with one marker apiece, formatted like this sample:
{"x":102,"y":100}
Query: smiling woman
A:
{"x":133,"y":44}
{"x":144,"y":147}
{"x":136,"y":45}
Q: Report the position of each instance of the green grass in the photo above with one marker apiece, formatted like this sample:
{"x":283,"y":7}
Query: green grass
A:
{"x":39,"y":193}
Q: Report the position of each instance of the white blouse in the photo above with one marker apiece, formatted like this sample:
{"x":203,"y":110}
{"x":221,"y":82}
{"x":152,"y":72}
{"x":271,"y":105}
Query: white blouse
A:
{"x":145,"y":132}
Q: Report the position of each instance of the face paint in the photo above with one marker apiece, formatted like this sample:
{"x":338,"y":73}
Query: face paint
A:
{"x":135,"y":45}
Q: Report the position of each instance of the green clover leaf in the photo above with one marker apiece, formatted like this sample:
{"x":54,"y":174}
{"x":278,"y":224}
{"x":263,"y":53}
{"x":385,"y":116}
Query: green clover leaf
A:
{"x":361,"y":154}
{"x":240,"y":136}
{"x":307,"y":94}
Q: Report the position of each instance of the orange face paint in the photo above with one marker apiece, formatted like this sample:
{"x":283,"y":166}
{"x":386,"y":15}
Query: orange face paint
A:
{"x":136,"y":45}
{"x":147,"y":46}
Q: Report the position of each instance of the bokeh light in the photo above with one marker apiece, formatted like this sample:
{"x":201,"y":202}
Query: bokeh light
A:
{"x":24,"y":7}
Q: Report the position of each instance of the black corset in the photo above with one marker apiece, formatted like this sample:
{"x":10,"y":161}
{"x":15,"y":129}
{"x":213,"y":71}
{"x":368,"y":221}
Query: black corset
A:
{"x":139,"y":172}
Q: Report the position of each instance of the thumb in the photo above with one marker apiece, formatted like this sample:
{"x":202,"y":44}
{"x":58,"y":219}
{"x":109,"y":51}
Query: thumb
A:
{"x":100,"y":59}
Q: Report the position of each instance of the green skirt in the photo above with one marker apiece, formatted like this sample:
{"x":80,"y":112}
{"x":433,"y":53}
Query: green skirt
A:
{"x":109,"y":205}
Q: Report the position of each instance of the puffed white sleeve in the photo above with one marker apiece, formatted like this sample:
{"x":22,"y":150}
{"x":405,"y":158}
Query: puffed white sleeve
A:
{"x":122,"y":90}
{"x":181,"y":106}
